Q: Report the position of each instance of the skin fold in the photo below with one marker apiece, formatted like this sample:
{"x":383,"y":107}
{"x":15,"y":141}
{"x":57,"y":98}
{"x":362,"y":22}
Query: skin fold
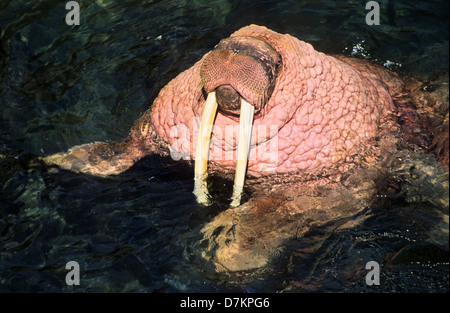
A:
{"x":323,"y":129}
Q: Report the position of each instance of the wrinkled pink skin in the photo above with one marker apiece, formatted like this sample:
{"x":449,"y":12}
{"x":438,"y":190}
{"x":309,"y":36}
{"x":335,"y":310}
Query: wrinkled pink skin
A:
{"x":324,"y":109}
{"x":320,"y":117}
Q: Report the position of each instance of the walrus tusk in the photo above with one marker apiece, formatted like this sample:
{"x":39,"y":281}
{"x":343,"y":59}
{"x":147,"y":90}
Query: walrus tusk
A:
{"x":245,"y":135}
{"x":202,"y":149}
{"x":203,"y":146}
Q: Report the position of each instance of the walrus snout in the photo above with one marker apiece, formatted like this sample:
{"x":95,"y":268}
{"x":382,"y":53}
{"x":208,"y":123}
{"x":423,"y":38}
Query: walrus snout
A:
{"x":240,"y":67}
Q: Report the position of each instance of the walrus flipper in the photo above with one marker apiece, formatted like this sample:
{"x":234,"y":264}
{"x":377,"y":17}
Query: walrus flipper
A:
{"x":97,"y":158}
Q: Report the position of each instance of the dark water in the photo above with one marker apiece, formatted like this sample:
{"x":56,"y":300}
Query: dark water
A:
{"x":67,"y":85}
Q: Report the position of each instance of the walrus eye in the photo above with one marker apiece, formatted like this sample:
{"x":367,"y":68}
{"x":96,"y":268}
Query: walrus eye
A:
{"x":279,"y":63}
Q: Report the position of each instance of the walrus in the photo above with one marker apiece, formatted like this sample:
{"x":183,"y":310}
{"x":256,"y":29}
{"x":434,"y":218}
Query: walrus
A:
{"x":273,"y":109}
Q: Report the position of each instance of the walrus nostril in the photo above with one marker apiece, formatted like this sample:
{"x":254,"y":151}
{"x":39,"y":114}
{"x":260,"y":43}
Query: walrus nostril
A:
{"x":228,"y":98}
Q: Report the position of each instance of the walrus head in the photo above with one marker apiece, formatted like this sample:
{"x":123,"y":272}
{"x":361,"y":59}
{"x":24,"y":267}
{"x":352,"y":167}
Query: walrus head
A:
{"x":240,"y":68}
{"x":238,"y":77}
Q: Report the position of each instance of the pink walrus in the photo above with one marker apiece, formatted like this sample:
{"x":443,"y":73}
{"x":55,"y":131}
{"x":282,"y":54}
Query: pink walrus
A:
{"x":296,"y":122}
{"x":312,"y":113}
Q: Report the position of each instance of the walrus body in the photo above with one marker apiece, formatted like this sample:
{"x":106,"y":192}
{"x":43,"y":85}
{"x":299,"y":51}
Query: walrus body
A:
{"x":315,"y":119}
{"x":321,"y":113}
